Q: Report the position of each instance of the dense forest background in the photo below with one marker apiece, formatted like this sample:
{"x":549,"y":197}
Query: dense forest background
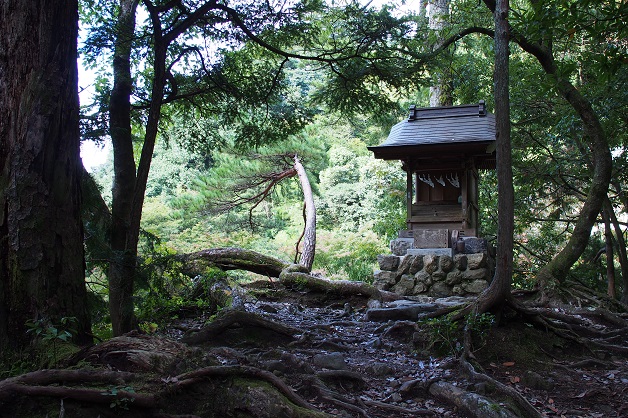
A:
{"x":202,"y":163}
{"x":210,"y":107}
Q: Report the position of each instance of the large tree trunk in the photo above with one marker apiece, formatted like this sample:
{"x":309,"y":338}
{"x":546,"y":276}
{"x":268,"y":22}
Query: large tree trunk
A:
{"x":309,"y":234}
{"x":499,"y":289}
{"x":41,"y":237}
{"x":124,"y":256}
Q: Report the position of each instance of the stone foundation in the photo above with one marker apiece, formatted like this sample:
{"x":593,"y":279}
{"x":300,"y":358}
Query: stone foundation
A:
{"x":434,"y":275}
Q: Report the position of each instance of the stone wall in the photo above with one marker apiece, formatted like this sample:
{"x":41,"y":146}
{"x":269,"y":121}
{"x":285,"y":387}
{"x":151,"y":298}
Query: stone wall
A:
{"x":433,"y":275}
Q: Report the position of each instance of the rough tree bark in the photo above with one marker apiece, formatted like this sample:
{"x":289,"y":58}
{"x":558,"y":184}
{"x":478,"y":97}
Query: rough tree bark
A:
{"x":41,"y":236}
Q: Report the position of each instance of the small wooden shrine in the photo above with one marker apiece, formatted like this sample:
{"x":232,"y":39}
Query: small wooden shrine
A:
{"x":441,"y":150}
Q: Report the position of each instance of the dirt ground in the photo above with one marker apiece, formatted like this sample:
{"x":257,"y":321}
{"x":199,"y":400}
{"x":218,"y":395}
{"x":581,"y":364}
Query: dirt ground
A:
{"x":383,"y":368}
{"x":321,"y":351}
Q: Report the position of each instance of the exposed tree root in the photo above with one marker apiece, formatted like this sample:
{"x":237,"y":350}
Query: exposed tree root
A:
{"x":471,"y":404}
{"x":193,"y":377}
{"x":328,"y":395}
{"x":290,"y":275}
{"x":241,"y":318}
{"x":524,"y":408}
{"x":398,"y":409}
{"x":41,"y":383}
{"x":334,"y":287}
{"x":136,"y":352}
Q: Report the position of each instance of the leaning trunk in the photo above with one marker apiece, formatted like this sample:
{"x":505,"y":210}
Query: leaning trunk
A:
{"x":601,"y":165}
{"x":558,"y":268}
{"x":309,"y":234}
{"x":41,"y":236}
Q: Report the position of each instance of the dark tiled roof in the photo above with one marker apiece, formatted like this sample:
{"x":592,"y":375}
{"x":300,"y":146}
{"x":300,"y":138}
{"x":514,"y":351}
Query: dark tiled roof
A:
{"x":451,"y":127}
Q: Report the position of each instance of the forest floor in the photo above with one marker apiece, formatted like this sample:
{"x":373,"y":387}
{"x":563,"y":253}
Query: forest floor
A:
{"x":396,"y":360}
{"x":327,"y":352}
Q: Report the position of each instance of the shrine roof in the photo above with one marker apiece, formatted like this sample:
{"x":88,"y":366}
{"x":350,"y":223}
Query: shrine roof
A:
{"x":469,"y":129}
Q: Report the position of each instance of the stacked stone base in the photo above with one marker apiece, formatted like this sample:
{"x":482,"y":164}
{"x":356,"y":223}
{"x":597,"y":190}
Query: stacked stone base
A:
{"x":434,"y":275}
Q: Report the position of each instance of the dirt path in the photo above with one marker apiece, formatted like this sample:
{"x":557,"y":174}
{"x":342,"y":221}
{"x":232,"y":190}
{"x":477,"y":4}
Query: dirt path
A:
{"x":348,"y":366}
{"x":294,"y":354}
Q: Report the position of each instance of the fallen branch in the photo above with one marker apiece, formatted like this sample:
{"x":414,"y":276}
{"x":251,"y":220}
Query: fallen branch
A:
{"x":231,"y":258}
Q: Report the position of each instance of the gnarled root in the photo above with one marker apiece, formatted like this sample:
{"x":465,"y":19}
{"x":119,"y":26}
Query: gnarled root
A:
{"x":241,"y":318}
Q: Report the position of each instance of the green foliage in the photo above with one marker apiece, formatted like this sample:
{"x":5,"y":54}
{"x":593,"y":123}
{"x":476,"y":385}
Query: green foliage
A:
{"x":348,"y":255}
{"x":15,"y":364}
{"x":446,"y":336}
{"x":52,"y":334}
{"x":358,"y":191}
{"x":162,"y":286}
{"x":119,"y":402}
{"x":252,"y":104}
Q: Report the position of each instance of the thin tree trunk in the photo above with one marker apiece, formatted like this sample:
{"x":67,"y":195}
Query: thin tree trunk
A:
{"x":499,"y":289}
{"x":124,"y":257}
{"x":130,"y":186}
{"x":621,"y":249}
{"x":610,"y":264}
{"x":42,"y":268}
{"x":309,"y":235}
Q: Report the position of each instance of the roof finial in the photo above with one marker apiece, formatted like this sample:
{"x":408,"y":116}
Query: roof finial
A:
{"x":482,"y":108}
{"x":412,"y":112}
